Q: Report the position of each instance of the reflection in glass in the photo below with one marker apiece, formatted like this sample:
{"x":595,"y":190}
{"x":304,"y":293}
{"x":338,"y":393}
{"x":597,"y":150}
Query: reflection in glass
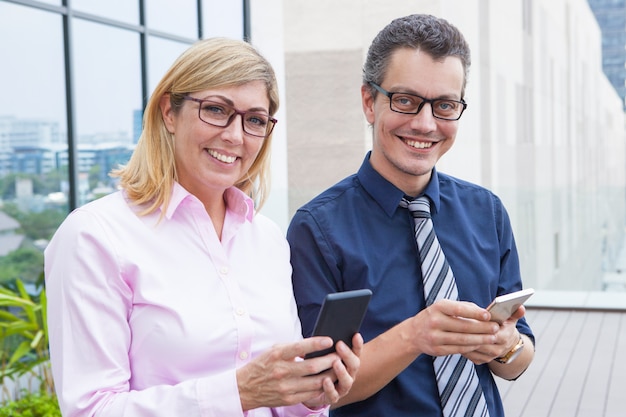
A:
{"x":179,"y":17}
{"x":107,"y":96}
{"x":222,"y":18}
{"x":53,"y":2}
{"x":161,"y":54}
{"x":33,"y":129}
{"x":126,"y":11}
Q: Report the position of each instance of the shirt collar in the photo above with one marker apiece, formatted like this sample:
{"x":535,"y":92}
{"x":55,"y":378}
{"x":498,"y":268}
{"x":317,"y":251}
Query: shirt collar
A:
{"x":386,"y":194}
{"x":237,"y":202}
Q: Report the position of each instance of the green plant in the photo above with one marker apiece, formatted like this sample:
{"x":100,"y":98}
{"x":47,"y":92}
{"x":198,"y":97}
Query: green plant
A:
{"x":24,"y":337}
{"x":32,"y":405}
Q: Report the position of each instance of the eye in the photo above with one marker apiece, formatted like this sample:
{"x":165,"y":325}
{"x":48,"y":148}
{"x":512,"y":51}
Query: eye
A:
{"x":446,"y":106}
{"x":214,"y":109}
{"x":257,"y":119}
{"x":405,"y":101}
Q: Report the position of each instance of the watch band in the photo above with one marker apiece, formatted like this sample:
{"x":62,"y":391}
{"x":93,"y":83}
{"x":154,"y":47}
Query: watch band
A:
{"x":513,"y":353}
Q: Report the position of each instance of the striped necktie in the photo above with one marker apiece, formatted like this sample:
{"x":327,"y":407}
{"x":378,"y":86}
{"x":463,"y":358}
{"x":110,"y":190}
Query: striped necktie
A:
{"x":457,"y":381}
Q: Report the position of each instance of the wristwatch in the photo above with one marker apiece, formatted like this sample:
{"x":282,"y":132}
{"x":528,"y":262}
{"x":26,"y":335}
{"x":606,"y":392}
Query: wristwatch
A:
{"x":513,"y":353}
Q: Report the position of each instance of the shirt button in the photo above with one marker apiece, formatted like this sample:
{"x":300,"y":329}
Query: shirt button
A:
{"x":224,"y":270}
{"x":240,"y":311}
{"x":243,"y":355}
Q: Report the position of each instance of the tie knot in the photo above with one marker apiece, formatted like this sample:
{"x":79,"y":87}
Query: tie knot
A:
{"x":420,"y":207}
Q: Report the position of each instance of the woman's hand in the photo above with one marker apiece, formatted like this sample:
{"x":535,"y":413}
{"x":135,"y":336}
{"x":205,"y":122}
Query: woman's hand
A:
{"x":280,"y":376}
{"x":344,"y":370}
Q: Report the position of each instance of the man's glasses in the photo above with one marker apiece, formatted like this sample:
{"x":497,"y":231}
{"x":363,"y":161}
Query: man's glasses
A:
{"x":406,"y":103}
{"x":222,"y":115}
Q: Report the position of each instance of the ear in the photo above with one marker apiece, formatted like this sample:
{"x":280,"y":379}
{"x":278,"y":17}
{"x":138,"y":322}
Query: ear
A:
{"x":367,"y":101}
{"x":167,"y":113}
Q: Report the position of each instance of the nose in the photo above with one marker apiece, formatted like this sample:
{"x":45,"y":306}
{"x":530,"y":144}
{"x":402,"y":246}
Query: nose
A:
{"x":424,"y":121}
{"x":233,"y":131}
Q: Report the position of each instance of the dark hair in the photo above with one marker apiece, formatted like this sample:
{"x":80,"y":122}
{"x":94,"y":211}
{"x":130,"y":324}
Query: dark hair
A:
{"x":430,"y":34}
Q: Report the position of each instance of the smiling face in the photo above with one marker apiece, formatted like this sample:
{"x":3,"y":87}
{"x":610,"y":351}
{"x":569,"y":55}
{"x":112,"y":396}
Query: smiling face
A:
{"x":210,"y":159}
{"x":406,"y":147}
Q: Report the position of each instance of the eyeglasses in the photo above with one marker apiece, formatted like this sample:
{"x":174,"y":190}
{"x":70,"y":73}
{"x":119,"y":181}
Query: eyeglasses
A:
{"x":222,"y":115}
{"x":405,"y":103}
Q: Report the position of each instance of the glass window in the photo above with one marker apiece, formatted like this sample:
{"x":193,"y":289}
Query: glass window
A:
{"x":179,"y":17}
{"x":107,"y":75}
{"x":222,"y":18}
{"x":33,"y":138}
{"x":161,"y":55}
{"x":126,"y":11}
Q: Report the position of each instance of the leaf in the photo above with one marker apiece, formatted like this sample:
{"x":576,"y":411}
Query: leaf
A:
{"x":5,"y":316}
{"x":21,"y":350}
{"x":36,"y":339}
{"x":43,"y":300}
{"x":14,"y":301}
{"x":29,"y":309}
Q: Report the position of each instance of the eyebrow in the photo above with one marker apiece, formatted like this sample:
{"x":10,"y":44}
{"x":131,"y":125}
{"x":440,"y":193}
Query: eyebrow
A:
{"x":232,"y":104}
{"x":403,"y":90}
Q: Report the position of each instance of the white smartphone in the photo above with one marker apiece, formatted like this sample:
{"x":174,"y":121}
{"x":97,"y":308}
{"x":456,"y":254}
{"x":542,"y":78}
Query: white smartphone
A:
{"x":503,"y":306}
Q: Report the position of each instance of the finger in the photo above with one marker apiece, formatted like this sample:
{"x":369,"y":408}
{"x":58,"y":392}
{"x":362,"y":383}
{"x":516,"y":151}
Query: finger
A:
{"x":345,"y":378}
{"x":468,"y":326}
{"x":304,"y":346}
{"x":463,"y":309}
{"x":330,"y":391}
{"x":478,"y":357}
{"x":357,"y":344}
{"x":348,"y":357}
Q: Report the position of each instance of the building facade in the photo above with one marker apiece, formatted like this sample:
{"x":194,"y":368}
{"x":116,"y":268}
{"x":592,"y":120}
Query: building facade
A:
{"x":544,"y":127}
{"x":611,"y":16}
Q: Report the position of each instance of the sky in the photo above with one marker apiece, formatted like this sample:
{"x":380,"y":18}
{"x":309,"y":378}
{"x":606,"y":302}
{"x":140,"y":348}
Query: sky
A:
{"x":106,"y":63}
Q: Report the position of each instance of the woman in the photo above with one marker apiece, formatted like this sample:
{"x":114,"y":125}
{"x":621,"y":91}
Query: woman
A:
{"x":172,"y":296}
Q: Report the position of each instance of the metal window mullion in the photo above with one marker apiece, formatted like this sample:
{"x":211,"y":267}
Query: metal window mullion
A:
{"x":72,"y":142}
{"x":200,"y":25}
{"x":143,"y":48}
{"x":247,"y":31}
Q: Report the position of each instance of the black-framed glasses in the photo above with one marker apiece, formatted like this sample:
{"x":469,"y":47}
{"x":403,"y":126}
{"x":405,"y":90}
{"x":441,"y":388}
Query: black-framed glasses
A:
{"x":221,"y":115}
{"x":406,"y":103}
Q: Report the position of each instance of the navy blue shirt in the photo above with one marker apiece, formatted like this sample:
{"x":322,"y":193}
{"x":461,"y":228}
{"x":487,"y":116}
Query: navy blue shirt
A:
{"x":355,"y":235}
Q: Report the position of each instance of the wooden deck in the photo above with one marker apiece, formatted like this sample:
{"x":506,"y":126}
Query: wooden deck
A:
{"x":579,"y":368}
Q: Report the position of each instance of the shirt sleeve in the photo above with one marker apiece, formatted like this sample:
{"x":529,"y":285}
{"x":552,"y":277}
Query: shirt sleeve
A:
{"x":89,"y":305}
{"x":299,"y":410}
{"x":510,"y":274}
{"x":311,"y":258}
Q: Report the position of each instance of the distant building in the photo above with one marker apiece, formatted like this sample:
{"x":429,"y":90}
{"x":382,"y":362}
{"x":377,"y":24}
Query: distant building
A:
{"x":9,"y":239}
{"x":611,"y":16}
{"x":137,"y":125}
{"x":32,"y":146}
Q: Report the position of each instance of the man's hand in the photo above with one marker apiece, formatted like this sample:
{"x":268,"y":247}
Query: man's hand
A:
{"x":507,"y":336}
{"x":447,"y":327}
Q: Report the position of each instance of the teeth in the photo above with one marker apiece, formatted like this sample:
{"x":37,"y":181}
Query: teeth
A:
{"x":419,"y":145}
{"x":223,"y":158}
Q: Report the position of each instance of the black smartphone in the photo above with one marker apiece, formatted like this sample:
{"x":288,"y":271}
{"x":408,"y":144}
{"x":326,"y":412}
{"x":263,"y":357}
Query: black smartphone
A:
{"x":502,"y":307}
{"x":340,"y":317}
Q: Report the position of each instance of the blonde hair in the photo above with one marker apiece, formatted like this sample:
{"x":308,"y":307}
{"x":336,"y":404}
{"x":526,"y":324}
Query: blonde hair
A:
{"x":149,"y":176}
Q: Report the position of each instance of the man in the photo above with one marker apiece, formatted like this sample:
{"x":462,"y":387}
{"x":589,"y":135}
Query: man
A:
{"x":361,"y":233}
